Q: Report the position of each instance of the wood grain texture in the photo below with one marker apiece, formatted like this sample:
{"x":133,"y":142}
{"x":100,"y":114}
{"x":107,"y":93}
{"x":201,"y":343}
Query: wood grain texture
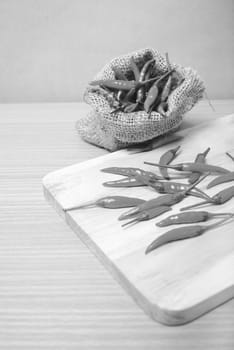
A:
{"x":54,"y":292}
{"x":177,"y":282}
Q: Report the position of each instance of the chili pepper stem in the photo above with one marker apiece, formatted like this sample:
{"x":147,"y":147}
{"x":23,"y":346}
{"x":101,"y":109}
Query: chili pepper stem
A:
{"x":205,"y":195}
{"x":176,"y":149}
{"x":210,"y":227}
{"x":222,"y":214}
{"x":195,"y":205}
{"x":209,"y":102}
{"x":161,"y":166}
{"x":184,"y":176}
{"x":167,"y":60}
{"x":230,"y":156}
{"x":206,"y":152}
{"x":191,"y":187}
{"x":196,"y":183}
{"x":134,"y":221}
{"x":88,"y":205}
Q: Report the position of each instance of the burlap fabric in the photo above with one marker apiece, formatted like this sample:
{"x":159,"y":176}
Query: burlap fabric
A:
{"x":118,"y":130}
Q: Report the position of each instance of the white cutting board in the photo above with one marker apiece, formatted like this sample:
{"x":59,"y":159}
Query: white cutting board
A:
{"x":177,"y":282}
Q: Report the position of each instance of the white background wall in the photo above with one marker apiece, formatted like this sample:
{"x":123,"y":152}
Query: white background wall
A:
{"x":50,"y":49}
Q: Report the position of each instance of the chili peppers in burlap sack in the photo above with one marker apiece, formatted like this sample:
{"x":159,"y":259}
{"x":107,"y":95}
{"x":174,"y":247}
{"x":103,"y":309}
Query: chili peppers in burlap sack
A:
{"x":137,"y":97}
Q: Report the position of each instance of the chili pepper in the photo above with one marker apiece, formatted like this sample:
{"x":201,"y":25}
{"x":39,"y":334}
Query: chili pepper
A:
{"x":162,"y":108}
{"x":168,"y":61}
{"x":193,"y":167}
{"x":140,"y":93}
{"x":135,"y":69}
{"x":148,"y":78}
{"x":153,"y":93}
{"x":128,"y":97}
{"x":230,"y":156}
{"x":181,"y":233}
{"x":115,"y":84}
{"x":148,"y":214}
{"x":166,"y":90}
{"x":131,"y":107}
{"x":126,"y":182}
{"x":221,"y":179}
{"x":223,"y":196}
{"x":120,"y":95}
{"x":111,"y":202}
{"x":166,"y":159}
{"x":145,"y":179}
{"x":167,"y":87}
{"x":145,"y":68}
{"x":165,"y":200}
{"x":173,"y":187}
{"x":151,"y":97}
{"x":220,"y":198}
{"x":200,"y":158}
{"x":189,"y":218}
{"x":119,"y":74}
{"x":127,"y":171}
{"x":149,"y":72}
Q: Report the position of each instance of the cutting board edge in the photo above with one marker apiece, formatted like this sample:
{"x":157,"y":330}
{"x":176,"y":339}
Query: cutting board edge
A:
{"x":165,"y":316}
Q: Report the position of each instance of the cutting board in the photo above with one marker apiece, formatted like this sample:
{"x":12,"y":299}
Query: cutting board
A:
{"x":177,"y":282}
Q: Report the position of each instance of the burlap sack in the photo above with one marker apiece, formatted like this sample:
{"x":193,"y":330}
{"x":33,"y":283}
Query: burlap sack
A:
{"x":118,"y":130}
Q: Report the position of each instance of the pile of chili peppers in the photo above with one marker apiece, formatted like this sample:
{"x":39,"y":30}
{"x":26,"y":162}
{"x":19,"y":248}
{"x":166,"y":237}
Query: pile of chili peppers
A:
{"x":144,"y":88}
{"x":171,"y":193}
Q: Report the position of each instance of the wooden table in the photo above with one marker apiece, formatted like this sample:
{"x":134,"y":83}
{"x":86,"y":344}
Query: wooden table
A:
{"x":54,"y":294}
